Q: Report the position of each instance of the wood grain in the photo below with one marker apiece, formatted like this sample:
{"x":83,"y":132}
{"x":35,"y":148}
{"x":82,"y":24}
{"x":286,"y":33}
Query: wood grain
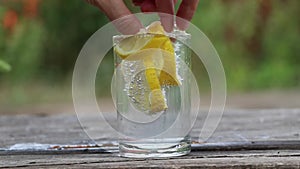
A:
{"x":243,"y":139}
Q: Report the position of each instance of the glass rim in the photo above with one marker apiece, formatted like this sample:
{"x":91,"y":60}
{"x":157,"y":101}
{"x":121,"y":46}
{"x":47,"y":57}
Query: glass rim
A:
{"x":176,"y":34}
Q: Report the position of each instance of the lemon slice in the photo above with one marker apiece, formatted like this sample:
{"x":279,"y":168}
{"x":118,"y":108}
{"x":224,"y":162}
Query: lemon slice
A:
{"x":155,"y":28}
{"x":168,"y":75}
{"x":150,"y":56}
{"x":157,"y":99}
{"x":155,"y":51}
{"x":131,"y":45}
{"x":142,"y":70}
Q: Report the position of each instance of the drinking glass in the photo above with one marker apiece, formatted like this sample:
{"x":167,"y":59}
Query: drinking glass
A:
{"x":148,"y":126}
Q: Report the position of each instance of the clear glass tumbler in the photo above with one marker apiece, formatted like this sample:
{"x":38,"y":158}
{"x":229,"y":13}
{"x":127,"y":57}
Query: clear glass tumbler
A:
{"x":153,"y":96}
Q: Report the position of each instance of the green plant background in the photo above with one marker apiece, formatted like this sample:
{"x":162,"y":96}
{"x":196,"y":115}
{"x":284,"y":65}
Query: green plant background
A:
{"x":258,"y":42}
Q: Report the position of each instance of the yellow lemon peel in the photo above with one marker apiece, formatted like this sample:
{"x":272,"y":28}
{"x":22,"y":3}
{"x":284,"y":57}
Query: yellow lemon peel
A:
{"x":160,"y":69}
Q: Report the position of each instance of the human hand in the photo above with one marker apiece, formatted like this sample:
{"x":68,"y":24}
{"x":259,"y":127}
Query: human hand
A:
{"x":116,"y":9}
{"x":185,"y":12}
{"x":129,"y":24}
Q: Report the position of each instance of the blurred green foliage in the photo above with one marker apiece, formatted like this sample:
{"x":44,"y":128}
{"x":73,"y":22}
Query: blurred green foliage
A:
{"x":69,"y":24}
{"x":258,"y":41}
{"x":4,"y":67}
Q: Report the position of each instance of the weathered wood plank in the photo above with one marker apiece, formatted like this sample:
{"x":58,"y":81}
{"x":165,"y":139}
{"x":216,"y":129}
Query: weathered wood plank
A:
{"x":253,"y":145}
{"x":243,"y":139}
{"x":208,"y":159}
{"x":235,"y":126}
{"x":224,"y":163}
{"x":102,"y":148}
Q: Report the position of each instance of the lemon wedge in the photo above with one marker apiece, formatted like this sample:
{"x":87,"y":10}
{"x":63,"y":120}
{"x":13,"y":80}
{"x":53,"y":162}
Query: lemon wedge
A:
{"x":156,"y":54}
{"x":168,"y":74}
{"x":148,"y":63}
{"x":131,"y":45}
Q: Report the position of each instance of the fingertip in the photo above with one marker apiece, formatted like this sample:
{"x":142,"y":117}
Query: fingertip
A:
{"x":128,"y":25}
{"x":185,"y":13}
{"x":167,"y":22}
{"x":166,"y":13}
{"x":182,"y":24}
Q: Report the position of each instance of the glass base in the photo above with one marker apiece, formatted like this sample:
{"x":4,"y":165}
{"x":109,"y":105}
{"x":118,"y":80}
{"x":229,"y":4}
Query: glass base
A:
{"x":150,"y":148}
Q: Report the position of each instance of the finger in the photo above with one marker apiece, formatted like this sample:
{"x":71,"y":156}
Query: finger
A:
{"x":148,"y":6}
{"x":186,"y":12}
{"x":166,"y":9}
{"x":128,"y":24}
{"x":122,"y":18}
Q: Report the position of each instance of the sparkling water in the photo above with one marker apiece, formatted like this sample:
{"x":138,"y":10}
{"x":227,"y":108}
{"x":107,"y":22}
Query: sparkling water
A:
{"x":153,"y":134}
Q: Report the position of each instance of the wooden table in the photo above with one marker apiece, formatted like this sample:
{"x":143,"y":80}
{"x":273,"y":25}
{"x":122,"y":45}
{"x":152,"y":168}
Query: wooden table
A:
{"x":243,"y":139}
